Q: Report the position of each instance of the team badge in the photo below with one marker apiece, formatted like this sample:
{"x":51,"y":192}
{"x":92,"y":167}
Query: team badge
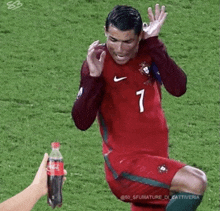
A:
{"x":162,"y":169}
{"x":144,"y":69}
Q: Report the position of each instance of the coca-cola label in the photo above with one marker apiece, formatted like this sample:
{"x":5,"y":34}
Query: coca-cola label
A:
{"x":55,"y":168}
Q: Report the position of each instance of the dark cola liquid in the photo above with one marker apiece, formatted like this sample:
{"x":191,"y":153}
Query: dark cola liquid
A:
{"x":54,"y":182}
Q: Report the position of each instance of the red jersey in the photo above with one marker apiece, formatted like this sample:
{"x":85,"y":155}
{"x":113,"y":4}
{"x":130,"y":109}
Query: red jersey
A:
{"x":131,"y":117}
{"x":127,"y":99}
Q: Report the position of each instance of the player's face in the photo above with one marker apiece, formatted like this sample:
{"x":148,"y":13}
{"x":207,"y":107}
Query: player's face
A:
{"x":122,"y":45}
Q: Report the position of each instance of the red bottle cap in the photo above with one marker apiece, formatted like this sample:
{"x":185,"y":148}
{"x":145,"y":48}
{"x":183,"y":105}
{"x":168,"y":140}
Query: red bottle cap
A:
{"x":55,"y":145}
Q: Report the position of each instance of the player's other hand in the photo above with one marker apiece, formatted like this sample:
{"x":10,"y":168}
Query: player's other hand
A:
{"x":156,"y":22}
{"x":40,"y":179}
{"x":95,"y":65}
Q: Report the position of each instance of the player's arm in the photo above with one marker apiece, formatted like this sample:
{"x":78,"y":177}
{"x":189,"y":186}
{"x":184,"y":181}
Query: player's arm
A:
{"x":173,"y":78}
{"x":89,"y":98}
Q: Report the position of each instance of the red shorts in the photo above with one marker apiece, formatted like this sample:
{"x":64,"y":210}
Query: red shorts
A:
{"x":141,"y":179}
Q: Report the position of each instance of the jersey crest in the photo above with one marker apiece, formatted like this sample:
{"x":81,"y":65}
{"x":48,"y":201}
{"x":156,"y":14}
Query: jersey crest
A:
{"x":145,"y":69}
{"x":151,"y":72}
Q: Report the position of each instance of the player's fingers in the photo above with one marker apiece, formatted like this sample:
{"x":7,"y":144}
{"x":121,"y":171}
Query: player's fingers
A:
{"x":93,"y":45}
{"x":91,"y":57}
{"x":102,"y":57}
{"x":98,"y":51}
{"x":163,"y":19}
{"x":157,"y":11}
{"x":162,"y":13}
{"x":150,"y":14}
{"x":90,"y":54}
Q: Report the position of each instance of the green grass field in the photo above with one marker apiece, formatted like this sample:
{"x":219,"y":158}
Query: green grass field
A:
{"x":43,"y":44}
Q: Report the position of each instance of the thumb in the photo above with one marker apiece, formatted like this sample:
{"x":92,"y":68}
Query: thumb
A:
{"x":44,"y":161}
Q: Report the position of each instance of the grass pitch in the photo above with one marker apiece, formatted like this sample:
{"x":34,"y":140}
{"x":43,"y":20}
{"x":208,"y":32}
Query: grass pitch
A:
{"x":43,"y":45}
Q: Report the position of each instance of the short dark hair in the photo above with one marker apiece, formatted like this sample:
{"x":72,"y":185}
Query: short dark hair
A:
{"x":124,"y":18}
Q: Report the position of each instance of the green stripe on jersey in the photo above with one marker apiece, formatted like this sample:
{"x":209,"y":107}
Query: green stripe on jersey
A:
{"x":104,"y":127}
{"x":144,"y":180}
{"x":115,"y":175}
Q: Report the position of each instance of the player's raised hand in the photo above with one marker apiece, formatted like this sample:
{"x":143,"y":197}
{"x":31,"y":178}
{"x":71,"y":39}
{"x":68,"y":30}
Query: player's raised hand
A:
{"x":156,"y":22}
{"x":95,"y":65}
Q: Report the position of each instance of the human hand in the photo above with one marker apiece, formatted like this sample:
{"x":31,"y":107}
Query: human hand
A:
{"x":40,"y":179}
{"x":156,"y":22}
{"x":95,"y":65}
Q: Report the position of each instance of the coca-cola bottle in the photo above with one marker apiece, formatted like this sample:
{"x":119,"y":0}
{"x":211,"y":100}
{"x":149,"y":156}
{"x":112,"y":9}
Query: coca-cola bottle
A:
{"x":55,"y":173}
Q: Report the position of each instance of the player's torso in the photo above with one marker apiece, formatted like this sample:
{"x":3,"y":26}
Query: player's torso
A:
{"x":131,"y":107}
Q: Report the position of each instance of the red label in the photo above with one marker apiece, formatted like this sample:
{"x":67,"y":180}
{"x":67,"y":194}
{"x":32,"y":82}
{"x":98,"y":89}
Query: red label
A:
{"x":55,"y":168}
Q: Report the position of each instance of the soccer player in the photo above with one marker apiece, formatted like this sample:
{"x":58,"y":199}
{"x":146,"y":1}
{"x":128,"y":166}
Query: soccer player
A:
{"x":121,"y":86}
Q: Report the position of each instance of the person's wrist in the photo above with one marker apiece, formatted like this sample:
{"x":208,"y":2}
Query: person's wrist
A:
{"x":38,"y":189}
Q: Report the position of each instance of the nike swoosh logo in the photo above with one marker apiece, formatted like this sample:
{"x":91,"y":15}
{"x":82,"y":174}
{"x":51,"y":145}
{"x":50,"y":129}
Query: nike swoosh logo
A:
{"x":119,"y":79}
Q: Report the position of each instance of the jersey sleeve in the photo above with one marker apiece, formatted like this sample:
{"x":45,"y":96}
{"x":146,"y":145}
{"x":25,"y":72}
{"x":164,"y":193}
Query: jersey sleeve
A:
{"x":172,"y":76}
{"x":89,"y":99}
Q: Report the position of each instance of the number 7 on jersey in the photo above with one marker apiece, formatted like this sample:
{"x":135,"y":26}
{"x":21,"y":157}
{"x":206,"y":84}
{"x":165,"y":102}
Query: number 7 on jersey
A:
{"x":141,"y":100}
